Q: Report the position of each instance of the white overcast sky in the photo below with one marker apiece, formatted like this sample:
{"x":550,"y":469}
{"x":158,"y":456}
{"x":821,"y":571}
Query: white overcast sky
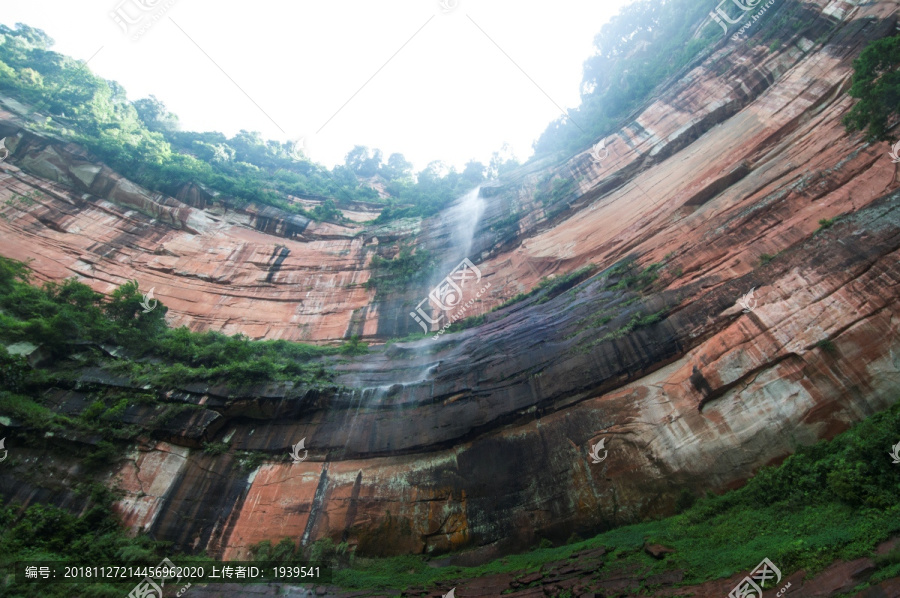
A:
{"x":448,"y":93}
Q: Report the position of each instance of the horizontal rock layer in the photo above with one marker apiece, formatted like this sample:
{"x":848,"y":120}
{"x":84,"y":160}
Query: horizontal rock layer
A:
{"x":483,"y":438}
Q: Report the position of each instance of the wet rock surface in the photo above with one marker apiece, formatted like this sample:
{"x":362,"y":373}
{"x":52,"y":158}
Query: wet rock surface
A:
{"x":483,"y":438}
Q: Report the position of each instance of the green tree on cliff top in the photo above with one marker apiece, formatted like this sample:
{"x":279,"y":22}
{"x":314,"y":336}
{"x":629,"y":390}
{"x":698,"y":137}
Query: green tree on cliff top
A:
{"x":876,"y":83}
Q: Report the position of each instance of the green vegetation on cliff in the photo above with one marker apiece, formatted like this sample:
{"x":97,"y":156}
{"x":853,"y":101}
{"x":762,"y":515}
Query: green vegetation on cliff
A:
{"x":876,"y":84}
{"x":638,"y":49}
{"x":47,"y":533}
{"x":75,"y":328}
{"x":398,"y":273}
{"x":833,"y":500}
{"x":142,"y":141}
{"x":644,"y":46}
{"x":550,"y":286}
{"x":68,"y":318}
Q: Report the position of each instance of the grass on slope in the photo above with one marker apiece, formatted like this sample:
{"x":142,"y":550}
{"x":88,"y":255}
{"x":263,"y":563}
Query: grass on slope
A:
{"x":833,"y":500}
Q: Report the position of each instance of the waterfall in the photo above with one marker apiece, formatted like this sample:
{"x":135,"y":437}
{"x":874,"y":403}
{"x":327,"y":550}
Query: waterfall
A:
{"x":464,"y":217}
{"x":456,"y":237}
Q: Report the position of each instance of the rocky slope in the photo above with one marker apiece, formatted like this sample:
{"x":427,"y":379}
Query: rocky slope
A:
{"x":481,"y":439}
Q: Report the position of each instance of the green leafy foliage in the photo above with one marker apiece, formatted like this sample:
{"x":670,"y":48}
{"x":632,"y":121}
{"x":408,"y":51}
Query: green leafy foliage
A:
{"x":44,"y":532}
{"x":831,"y":500}
{"x":354,"y":346}
{"x":400,"y":272}
{"x":142,"y":140}
{"x":638,"y":320}
{"x":685,"y":500}
{"x":55,"y":315}
{"x":34,"y":415}
{"x":513,"y":300}
{"x":328,"y":210}
{"x":434,"y":188}
{"x":64,"y":318}
{"x":14,"y":371}
{"x":250,"y":460}
{"x":150,"y":354}
{"x":633,"y":278}
{"x":876,"y":84}
{"x":548,"y":288}
{"x":827,"y":346}
{"x":281,"y":552}
{"x":105,"y":452}
{"x":216,"y":448}
{"x":826,"y":223}
{"x":466,"y":323}
{"x":638,"y":49}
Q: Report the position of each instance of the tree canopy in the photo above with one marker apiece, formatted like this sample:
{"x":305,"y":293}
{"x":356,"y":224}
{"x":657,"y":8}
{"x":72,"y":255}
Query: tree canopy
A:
{"x":876,"y":83}
{"x":641,"y":47}
{"x":143,"y":140}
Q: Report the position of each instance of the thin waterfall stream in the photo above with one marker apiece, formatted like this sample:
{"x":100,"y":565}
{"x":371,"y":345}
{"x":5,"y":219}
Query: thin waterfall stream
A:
{"x":460,"y":224}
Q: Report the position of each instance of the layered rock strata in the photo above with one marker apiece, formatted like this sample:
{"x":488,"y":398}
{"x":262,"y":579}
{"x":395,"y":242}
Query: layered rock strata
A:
{"x":482,"y":439}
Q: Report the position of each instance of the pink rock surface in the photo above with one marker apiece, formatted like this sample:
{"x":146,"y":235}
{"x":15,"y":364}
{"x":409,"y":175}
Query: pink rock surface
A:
{"x":482,"y":437}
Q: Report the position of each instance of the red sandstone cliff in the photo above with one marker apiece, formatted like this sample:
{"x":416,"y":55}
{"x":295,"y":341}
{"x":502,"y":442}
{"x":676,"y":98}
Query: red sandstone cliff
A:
{"x":481,"y":438}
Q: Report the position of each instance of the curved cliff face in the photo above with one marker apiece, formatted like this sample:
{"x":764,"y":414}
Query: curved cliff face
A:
{"x":483,"y":437}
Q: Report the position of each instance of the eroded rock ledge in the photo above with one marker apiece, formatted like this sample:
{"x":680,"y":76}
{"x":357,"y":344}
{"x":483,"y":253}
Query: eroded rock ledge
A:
{"x":481,"y":438}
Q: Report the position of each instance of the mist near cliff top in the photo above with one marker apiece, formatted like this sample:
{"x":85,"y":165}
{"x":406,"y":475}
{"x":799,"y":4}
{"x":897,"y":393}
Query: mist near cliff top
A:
{"x":452,"y":87}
